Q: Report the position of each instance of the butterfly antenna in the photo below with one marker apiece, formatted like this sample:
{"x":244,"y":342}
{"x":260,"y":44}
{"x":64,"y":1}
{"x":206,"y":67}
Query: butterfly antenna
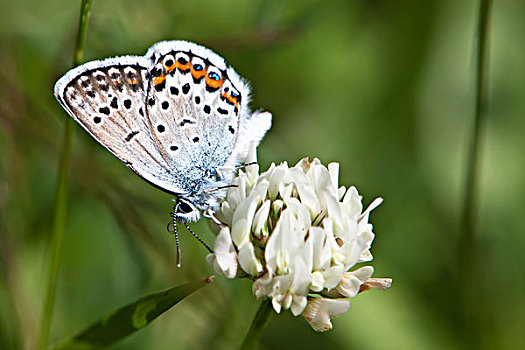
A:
{"x":221,"y":188}
{"x":234,"y":168}
{"x":245,"y":165}
{"x":199,"y":239}
{"x":173,"y":229}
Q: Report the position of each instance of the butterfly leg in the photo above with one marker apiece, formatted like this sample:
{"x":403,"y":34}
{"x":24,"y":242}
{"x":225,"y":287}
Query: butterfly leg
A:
{"x":209,"y":215}
{"x":199,"y":239}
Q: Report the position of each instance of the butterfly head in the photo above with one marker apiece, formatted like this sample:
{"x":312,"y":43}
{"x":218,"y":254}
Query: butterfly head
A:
{"x":185,"y":211}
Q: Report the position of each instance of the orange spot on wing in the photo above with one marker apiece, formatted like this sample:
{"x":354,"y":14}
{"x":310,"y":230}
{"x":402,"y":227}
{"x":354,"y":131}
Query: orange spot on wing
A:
{"x":170,"y":68}
{"x":159,"y":80}
{"x":214,"y":83}
{"x":183,"y":66}
{"x":197,"y":74}
{"x":231,"y":99}
{"x":132,"y":81}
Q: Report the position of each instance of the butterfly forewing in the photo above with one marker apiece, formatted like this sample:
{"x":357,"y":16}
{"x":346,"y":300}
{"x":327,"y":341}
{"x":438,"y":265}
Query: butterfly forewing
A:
{"x":108,"y":99}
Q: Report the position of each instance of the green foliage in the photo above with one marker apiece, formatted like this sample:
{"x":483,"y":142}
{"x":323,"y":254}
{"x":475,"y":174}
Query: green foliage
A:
{"x":259,"y":321}
{"x":61,"y":194}
{"x":129,"y":319}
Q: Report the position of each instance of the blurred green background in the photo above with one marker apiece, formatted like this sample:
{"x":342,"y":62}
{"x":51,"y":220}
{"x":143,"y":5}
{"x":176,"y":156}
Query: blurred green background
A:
{"x":386,"y":88}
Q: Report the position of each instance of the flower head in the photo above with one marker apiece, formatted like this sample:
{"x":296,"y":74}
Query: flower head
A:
{"x":297,"y":234}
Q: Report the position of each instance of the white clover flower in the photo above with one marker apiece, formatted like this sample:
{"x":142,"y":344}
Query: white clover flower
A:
{"x":297,"y":235}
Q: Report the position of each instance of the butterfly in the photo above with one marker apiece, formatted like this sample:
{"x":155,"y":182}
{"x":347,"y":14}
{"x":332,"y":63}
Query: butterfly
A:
{"x":177,"y":116}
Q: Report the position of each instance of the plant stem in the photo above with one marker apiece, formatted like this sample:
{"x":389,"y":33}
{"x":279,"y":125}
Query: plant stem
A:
{"x":61,"y":194}
{"x":254,"y":333}
{"x":467,"y":243}
{"x":85,"y":11}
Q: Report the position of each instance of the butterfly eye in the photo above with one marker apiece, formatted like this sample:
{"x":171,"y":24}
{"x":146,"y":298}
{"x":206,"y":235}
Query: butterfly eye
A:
{"x":214,"y":76}
{"x":197,"y":67}
{"x":184,"y":208}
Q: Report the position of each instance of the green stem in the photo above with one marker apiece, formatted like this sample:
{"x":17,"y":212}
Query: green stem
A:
{"x":61,"y":194}
{"x":85,"y":11}
{"x":257,"y":326}
{"x":467,"y":247}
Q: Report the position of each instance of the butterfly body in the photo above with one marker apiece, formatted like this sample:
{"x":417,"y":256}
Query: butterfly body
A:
{"x":178,"y":117}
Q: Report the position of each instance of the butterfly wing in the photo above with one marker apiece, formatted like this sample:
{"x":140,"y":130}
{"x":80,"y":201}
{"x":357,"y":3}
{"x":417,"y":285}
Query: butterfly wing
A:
{"x":108,"y":98}
{"x":199,"y":109}
{"x":192,"y":120}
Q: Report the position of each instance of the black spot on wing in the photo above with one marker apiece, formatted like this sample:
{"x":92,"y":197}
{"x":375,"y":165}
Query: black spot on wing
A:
{"x":161,"y":86}
{"x":114,"y":103}
{"x":130,"y":136}
{"x":186,"y":121}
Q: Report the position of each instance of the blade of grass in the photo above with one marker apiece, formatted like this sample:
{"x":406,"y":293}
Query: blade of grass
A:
{"x":467,"y":244}
{"x":127,"y":320}
{"x":60,"y":211}
{"x":257,"y":326}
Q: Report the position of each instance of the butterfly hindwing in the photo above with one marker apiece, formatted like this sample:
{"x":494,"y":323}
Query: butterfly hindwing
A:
{"x":193,"y":105}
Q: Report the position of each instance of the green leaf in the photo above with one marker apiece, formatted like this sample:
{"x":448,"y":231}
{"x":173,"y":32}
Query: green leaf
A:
{"x":258,"y":323}
{"x":127,"y":320}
